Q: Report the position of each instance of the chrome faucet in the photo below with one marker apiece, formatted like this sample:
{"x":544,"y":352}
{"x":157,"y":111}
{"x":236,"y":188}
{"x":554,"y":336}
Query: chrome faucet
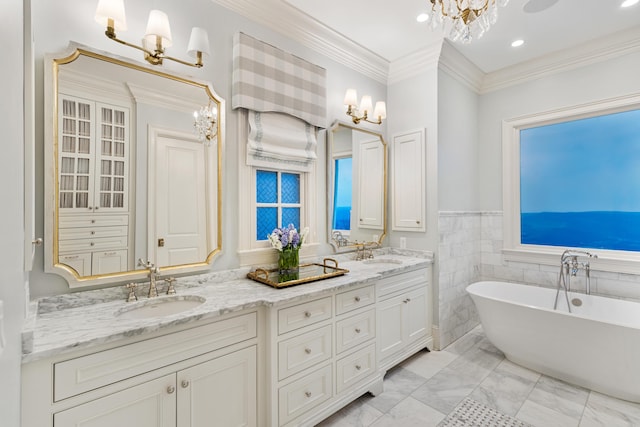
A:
{"x":154,"y":274}
{"x":570,"y":266}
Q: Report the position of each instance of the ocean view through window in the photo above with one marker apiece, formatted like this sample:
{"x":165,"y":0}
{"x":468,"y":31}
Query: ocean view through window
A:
{"x":580,"y":183}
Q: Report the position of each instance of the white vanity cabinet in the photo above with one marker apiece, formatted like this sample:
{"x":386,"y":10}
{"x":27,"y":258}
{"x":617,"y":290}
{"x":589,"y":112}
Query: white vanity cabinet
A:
{"x":404,"y":318}
{"x":191,"y":377}
{"x":322,"y":355}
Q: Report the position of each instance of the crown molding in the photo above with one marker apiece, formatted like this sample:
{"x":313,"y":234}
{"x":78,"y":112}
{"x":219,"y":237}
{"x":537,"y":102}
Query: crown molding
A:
{"x":460,"y":68}
{"x":312,"y":34}
{"x":415,"y":63}
{"x":599,"y":50}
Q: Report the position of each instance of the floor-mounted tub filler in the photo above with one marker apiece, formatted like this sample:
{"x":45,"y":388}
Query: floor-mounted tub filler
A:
{"x":596,"y":346}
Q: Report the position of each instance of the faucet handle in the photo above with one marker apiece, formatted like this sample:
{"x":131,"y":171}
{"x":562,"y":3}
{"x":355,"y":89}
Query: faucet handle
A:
{"x":145,"y":264}
{"x":132,"y":292}
{"x":170,"y":289}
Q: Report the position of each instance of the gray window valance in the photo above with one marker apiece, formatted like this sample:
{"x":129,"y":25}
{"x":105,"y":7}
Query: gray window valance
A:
{"x":267,"y":79}
{"x":280,"y":141}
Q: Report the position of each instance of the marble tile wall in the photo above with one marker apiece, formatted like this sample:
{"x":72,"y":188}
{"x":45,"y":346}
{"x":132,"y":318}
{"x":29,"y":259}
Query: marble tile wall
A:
{"x":459,"y":264}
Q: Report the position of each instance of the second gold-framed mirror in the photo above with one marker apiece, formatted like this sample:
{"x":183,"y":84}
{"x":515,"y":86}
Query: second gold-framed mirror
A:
{"x":357,"y":186}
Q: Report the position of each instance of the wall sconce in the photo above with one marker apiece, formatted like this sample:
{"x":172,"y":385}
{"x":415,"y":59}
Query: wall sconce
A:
{"x":157,"y":37}
{"x":366,"y":105}
{"x":206,"y":123}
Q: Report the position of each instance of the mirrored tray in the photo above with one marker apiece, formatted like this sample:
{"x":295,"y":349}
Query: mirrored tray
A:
{"x":306,"y":273}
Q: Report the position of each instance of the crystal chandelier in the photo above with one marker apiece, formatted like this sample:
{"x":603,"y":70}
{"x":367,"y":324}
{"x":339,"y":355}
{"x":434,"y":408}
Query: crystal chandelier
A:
{"x":464,"y":20}
{"x":206,"y":123}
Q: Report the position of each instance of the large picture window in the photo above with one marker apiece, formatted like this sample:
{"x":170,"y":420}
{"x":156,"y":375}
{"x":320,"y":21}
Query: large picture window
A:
{"x":571,"y":179}
{"x":580,"y":183}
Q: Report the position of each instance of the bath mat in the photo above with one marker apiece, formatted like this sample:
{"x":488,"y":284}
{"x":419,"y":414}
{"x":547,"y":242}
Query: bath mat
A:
{"x":471,"y":413}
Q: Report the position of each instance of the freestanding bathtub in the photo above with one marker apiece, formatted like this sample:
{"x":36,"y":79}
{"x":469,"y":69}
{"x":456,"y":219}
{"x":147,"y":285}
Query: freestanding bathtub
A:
{"x":596,"y":346}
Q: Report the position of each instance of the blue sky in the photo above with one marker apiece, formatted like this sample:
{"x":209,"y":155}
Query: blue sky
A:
{"x":583,"y":165}
{"x":343,"y":181}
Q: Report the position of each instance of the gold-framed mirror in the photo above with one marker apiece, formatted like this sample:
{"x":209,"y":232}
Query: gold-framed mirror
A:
{"x":128,"y":181}
{"x":356,"y":186}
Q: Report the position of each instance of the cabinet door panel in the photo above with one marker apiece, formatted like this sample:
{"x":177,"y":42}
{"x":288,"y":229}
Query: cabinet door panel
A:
{"x":391,"y":326}
{"x":417,"y":314}
{"x":146,"y":405}
{"x":221,"y":392}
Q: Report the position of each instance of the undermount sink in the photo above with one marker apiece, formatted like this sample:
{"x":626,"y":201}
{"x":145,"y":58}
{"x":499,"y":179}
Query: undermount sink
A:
{"x":382,"y":261}
{"x":160,"y":306}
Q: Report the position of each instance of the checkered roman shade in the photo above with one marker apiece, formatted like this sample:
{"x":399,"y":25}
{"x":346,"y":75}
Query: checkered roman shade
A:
{"x":267,"y":79}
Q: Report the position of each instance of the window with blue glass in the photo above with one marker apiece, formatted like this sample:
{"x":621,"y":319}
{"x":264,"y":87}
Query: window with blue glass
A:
{"x":277,"y":201}
{"x":580,"y":183}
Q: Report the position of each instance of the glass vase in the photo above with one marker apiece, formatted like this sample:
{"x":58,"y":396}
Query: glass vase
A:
{"x":288,"y":265}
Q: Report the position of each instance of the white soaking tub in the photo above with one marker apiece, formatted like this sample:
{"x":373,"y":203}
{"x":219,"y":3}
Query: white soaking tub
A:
{"x":596,"y":346}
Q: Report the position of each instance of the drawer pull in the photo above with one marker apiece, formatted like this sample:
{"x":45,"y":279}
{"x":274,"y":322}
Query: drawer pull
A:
{"x":171,"y":389}
{"x":184,"y":383}
{"x":357,"y":330}
{"x":307,"y":314}
{"x":307,"y":393}
{"x":93,"y":221}
{"x":93,"y":233}
{"x":358,"y":367}
{"x":307,"y":350}
{"x":92,"y":244}
{"x":357,"y":298}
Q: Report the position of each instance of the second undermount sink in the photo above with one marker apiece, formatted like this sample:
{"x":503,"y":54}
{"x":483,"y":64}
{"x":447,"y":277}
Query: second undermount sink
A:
{"x":160,"y":306}
{"x":383,"y":261}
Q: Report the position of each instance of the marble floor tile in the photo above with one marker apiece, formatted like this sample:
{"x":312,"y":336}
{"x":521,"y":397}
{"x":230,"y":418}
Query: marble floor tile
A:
{"x":508,"y":366}
{"x":541,"y":416}
{"x":427,"y":364}
{"x":560,"y":396}
{"x":608,"y":411}
{"x":468,"y":341}
{"x":357,"y":414}
{"x":410,"y":413}
{"x":476,"y":363}
{"x":445,"y":390}
{"x":504,"y":391}
{"x":398,"y":384}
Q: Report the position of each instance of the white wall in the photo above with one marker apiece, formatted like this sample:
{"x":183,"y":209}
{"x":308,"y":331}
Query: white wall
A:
{"x":457,"y":145}
{"x":77,"y":15}
{"x":12,"y":276}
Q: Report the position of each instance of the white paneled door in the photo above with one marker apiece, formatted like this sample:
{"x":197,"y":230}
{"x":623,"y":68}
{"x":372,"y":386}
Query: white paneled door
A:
{"x":180,"y":235}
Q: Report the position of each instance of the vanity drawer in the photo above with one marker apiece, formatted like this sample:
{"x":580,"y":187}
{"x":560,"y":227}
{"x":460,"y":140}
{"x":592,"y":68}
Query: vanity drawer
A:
{"x":356,"y":298}
{"x":304,"y":351}
{"x":95,"y":370}
{"x":90,"y":245}
{"x":355,"y":330}
{"x":301,"y":315}
{"x":91,"y":232}
{"x":298,"y":397}
{"x":389,"y":285}
{"x":355,"y":367}
{"x":92,"y":220}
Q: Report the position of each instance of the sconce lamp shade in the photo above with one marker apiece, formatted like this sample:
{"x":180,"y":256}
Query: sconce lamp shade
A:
{"x":366,"y":105}
{"x":158,"y":26}
{"x":380,"y":110}
{"x":111,"y":9}
{"x":198,"y":42}
{"x":351,"y":97}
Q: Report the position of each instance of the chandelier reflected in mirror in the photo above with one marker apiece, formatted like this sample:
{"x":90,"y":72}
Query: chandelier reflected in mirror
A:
{"x":206,"y":123}
{"x":464,"y":20}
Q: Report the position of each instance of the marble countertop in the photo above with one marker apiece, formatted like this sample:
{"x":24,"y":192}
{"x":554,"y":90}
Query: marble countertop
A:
{"x":80,"y":320}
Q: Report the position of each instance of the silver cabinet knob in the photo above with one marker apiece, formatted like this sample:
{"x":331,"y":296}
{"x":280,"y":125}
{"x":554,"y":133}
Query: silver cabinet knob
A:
{"x":357,"y":298}
{"x":184,"y":383}
{"x":358,"y":367}
{"x":307,"y":393}
{"x":307,"y":350}
{"x":171,"y":389}
{"x":357,"y":330}
{"x":307,"y":314}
